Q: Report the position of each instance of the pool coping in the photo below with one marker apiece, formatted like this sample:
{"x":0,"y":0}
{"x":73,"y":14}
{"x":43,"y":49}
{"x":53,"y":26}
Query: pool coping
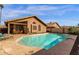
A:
{"x":33,"y":35}
{"x":29,"y":35}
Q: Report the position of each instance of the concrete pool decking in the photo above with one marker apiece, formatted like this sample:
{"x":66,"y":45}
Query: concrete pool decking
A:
{"x":10,"y":47}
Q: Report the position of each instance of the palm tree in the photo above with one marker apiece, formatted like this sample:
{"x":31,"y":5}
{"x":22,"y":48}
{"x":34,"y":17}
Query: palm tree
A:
{"x":1,"y":6}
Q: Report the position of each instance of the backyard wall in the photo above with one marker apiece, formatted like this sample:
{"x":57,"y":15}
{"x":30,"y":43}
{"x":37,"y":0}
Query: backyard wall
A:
{"x":55,"y":30}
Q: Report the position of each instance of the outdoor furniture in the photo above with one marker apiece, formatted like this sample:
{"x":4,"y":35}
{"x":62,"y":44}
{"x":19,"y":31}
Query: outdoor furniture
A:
{"x":1,"y":36}
{"x":5,"y":36}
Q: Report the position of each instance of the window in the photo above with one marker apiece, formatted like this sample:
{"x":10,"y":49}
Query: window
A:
{"x":39,"y":27}
{"x":34,"y":27}
{"x":19,"y":27}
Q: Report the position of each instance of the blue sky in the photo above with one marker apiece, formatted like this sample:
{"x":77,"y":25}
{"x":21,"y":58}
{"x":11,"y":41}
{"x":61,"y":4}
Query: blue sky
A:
{"x":64,"y":14}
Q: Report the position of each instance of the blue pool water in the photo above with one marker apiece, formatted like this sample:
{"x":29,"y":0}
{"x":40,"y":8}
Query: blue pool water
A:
{"x":44,"y":41}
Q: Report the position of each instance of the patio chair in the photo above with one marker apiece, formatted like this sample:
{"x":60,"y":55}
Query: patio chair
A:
{"x":4,"y":36}
{"x":1,"y":36}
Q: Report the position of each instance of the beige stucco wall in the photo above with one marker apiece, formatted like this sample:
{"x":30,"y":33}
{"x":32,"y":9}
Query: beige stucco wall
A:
{"x":54,"y":28}
{"x":30,"y":22}
{"x":55,"y":25}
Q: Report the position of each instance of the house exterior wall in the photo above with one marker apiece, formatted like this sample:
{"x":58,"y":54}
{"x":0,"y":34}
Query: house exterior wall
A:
{"x":54,"y":28}
{"x":37,"y":23}
{"x":55,"y":25}
{"x":3,"y":30}
{"x":30,"y":25}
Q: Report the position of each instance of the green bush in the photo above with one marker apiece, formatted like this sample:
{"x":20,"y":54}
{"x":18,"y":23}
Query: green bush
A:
{"x":73,"y":30}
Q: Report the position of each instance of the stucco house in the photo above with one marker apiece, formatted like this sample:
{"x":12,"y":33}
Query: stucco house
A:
{"x":26,"y":25}
{"x":54,"y":27}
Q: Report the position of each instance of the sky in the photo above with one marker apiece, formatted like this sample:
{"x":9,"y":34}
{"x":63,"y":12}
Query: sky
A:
{"x":64,"y":14}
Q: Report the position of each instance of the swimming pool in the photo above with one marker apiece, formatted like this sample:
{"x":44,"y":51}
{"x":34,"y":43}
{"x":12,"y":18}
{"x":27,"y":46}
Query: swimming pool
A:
{"x":44,"y":41}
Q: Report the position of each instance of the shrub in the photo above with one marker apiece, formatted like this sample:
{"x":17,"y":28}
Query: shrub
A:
{"x":73,"y":30}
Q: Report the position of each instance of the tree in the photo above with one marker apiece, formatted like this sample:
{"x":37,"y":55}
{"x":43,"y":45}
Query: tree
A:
{"x":78,"y":25}
{"x":1,"y":6}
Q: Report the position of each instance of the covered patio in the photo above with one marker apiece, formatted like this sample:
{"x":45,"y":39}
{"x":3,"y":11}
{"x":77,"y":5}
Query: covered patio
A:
{"x":17,"y":28}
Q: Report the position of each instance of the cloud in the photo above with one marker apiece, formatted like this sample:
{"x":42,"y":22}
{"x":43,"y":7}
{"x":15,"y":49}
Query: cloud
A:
{"x":9,"y":12}
{"x":41,"y":8}
{"x":33,"y":10}
{"x":48,"y":11}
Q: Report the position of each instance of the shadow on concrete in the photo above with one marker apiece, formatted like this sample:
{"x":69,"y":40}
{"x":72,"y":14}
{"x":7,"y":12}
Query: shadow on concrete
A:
{"x":75,"y":49}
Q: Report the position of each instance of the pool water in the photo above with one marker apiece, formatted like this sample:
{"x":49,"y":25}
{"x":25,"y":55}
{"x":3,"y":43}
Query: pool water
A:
{"x":44,"y":41}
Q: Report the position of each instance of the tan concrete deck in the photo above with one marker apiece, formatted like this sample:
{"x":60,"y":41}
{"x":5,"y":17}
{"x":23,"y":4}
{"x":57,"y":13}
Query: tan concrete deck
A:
{"x":11,"y":47}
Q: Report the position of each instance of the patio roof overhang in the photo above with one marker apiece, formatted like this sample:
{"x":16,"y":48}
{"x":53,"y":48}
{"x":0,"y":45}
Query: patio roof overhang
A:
{"x":17,"y":23}
{"x":14,"y":25}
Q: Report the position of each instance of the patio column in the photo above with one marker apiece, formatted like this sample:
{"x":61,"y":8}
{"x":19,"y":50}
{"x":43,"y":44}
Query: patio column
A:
{"x":14,"y":28}
{"x":8,"y":28}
